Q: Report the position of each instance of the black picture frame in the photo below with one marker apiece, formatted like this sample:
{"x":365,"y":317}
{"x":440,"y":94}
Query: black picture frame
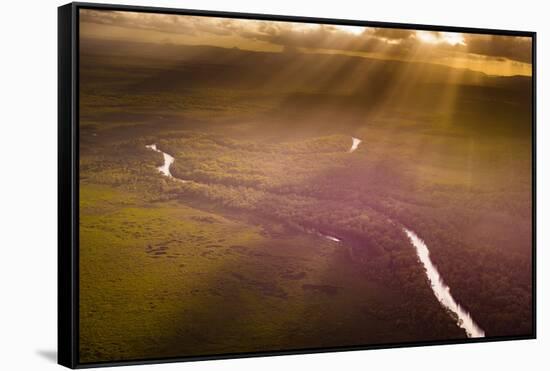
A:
{"x":68,"y":181}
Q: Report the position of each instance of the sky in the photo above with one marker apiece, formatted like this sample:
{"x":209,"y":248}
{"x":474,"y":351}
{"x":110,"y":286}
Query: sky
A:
{"x":491,"y":54}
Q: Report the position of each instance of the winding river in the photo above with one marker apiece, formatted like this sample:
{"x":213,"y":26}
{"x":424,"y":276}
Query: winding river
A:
{"x":441,"y":291}
{"x":331,"y":238}
{"x":354,"y":144}
{"x":168,"y":161}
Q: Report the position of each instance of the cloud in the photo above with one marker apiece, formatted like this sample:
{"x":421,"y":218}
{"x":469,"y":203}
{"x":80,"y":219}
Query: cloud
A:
{"x":510,"y":47}
{"x":167,"y":23}
{"x":293,"y":35}
{"x":328,"y":37}
{"x":392,"y":33}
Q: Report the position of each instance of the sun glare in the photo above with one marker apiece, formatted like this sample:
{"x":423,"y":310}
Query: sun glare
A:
{"x":355,"y":30}
{"x":430,"y":37}
{"x":453,"y":38}
{"x":426,"y":37}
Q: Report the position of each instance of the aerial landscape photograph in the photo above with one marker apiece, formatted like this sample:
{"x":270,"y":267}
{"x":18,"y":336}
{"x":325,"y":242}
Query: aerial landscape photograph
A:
{"x":270,"y":186}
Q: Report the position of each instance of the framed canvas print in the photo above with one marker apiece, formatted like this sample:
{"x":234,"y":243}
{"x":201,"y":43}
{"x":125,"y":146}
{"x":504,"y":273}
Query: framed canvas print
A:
{"x":235,"y":185}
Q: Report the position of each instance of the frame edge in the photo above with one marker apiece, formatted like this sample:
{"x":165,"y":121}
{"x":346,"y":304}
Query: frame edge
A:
{"x":300,"y":19}
{"x":68,"y":175}
{"x":66,"y":299}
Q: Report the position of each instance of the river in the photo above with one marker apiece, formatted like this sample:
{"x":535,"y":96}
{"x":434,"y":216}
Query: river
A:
{"x":168,"y":161}
{"x":354,"y":144}
{"x":441,"y":291}
{"x":331,"y":238}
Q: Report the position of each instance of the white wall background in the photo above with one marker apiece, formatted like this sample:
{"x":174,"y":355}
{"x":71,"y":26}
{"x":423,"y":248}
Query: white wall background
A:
{"x":28,"y":152}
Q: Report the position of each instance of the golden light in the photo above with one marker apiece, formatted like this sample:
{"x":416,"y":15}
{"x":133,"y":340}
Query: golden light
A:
{"x":426,"y":37}
{"x":355,"y":30}
{"x":431,"y":37}
{"x":452,"y":38}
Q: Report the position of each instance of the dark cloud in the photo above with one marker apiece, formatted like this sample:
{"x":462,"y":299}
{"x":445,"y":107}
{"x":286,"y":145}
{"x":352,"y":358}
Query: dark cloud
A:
{"x":510,"y":47}
{"x":326,"y":37}
{"x":392,"y":33}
